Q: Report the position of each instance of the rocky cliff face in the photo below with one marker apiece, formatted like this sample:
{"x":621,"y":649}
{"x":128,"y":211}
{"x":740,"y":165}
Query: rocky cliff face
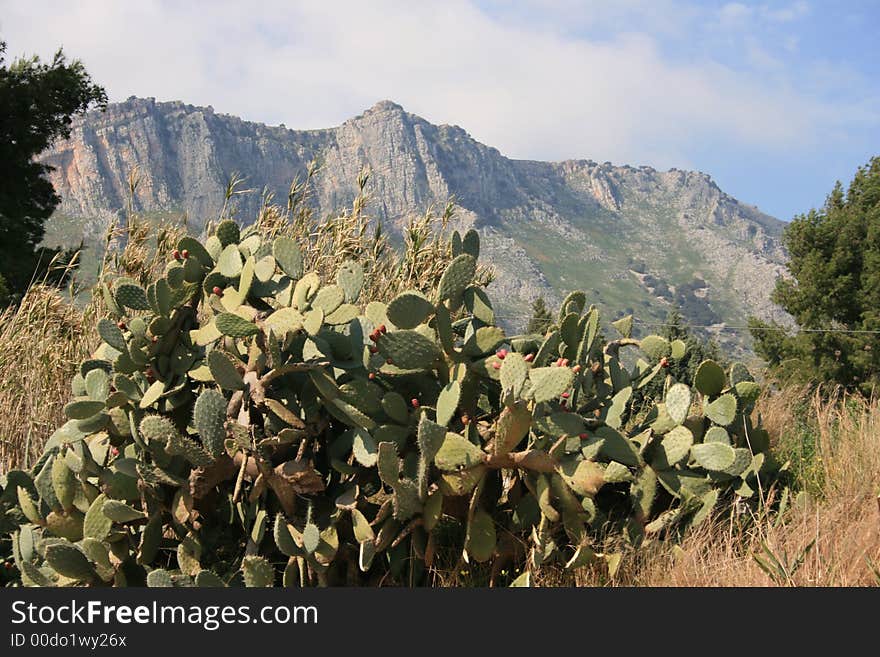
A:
{"x":640,"y":240}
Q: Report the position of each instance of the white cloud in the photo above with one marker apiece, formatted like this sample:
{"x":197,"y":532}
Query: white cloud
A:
{"x":531,"y":89}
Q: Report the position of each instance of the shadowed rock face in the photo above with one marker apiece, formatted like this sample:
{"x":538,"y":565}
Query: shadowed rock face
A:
{"x":638,"y":239}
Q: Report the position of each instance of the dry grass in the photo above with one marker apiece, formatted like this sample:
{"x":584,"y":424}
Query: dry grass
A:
{"x":834,"y":447}
{"x":41,"y":344}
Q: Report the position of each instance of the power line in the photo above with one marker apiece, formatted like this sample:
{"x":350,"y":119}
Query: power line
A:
{"x":715,"y":327}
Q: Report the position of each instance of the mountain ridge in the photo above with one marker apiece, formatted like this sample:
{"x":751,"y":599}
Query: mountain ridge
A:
{"x":641,"y":240}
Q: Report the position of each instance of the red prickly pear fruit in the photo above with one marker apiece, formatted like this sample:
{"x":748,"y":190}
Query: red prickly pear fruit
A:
{"x":120,"y":325}
{"x":374,"y":349}
{"x":374,"y":336}
{"x":382,"y":328}
{"x":184,"y":254}
{"x":496,"y":365}
{"x":389,"y":361}
{"x":414,"y":402}
{"x":465,"y":420}
{"x":576,"y":369}
{"x":217,"y":290}
{"x":371,"y":376}
{"x":154,"y":339}
{"x":564,"y":362}
{"x":175,"y":254}
{"x":664,"y":362}
{"x":114,"y":451}
{"x":564,"y":395}
{"x":583,"y":436}
{"x":529,"y":358}
{"x":501,"y":353}
{"x":558,"y":362}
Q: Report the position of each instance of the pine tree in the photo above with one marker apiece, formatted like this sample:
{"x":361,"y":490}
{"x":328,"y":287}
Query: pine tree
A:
{"x":834,"y":284}
{"x":541,"y":318}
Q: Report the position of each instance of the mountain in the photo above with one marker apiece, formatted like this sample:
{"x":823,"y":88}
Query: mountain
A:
{"x":639,"y":240}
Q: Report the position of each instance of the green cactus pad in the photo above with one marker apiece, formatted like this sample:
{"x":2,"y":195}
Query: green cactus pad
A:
{"x":747,"y":392}
{"x":617,"y":447}
{"x":483,"y":341}
{"x":284,"y":320}
{"x":121,"y":512}
{"x":458,"y":275}
{"x":624,"y":326}
{"x":83,"y":409}
{"x":229,"y":263}
{"x":655,"y":347}
{"x":407,"y":501}
{"x":457,"y":453}
{"x":550,"y":382}
{"x":722,"y":411}
{"x":480,"y":540}
{"x":209,"y":418}
{"x":131,"y":295}
{"x":470,"y":243}
{"x":447,"y":402}
{"x":235,"y":326}
{"x":159,"y":578}
{"x":228,"y":232}
{"x":709,"y":378}
{"x":395,"y":407}
{"x":158,"y":429}
{"x":189,"y":449}
{"x":64,"y":482}
{"x":408,"y":350}
{"x":112,"y":335}
{"x":328,"y":299}
{"x":583,"y":477}
{"x":350,"y":277}
{"x":224,"y":371}
{"x":716,"y":435}
{"x":409,"y":309}
{"x":288,"y":256}
{"x":196,"y":251}
{"x":388,"y":464}
{"x":28,"y":507}
{"x":674,"y":447}
{"x":574,"y":302}
{"x":69,"y":561}
{"x":678,"y":349}
{"x":258,"y":573}
{"x":477,"y":303}
{"x":514,"y":374}
{"x":344,"y":314}
{"x":713,"y":455}
{"x":97,"y":525}
{"x":364,"y":448}
{"x":512,"y":426}
{"x":678,"y":402}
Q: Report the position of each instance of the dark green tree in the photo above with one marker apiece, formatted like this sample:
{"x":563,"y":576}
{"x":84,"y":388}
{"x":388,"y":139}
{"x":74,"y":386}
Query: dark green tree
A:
{"x":541,"y":318}
{"x":38,"y":101}
{"x":834,"y":262}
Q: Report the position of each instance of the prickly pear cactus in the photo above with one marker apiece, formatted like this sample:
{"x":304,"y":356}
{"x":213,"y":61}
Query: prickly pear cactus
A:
{"x":242,"y":413}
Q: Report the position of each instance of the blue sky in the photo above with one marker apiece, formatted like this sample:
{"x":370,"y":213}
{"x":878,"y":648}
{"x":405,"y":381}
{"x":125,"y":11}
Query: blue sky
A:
{"x":776,"y":100}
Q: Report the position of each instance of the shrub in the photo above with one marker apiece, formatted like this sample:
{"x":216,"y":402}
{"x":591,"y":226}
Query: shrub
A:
{"x":248,"y":422}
